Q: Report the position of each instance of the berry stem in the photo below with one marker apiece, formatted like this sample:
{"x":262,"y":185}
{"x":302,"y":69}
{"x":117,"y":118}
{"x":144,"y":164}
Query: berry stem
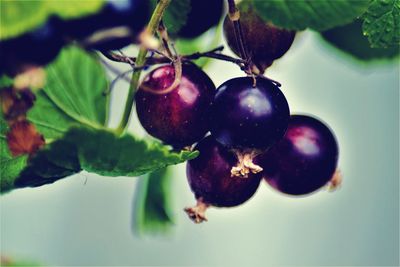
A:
{"x":140,"y":61}
{"x":234,"y":16}
{"x":214,"y":53}
{"x":162,"y":32}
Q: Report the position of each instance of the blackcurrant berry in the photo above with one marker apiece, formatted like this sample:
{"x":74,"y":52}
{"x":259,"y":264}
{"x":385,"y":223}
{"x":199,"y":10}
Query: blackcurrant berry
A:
{"x":36,"y":48}
{"x":180,"y":117}
{"x":210,"y":179}
{"x":248,"y":115}
{"x":203,"y":15}
{"x":116,"y":25}
{"x":304,"y":160}
{"x":264,"y":41}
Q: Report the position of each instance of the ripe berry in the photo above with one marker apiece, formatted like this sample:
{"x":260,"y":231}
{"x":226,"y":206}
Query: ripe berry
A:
{"x":244,"y":115}
{"x":264,"y":41}
{"x":304,"y":160}
{"x":124,"y":19}
{"x":203,"y":15}
{"x":210,"y":179}
{"x":180,"y":117}
{"x":36,"y":48}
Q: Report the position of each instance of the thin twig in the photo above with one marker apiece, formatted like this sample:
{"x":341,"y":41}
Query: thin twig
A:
{"x":214,"y":53}
{"x":163,"y":34}
{"x":234,"y":16}
{"x":112,"y":69}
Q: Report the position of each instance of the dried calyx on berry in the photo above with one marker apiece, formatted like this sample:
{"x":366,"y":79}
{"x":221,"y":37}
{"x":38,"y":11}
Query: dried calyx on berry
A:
{"x":210,"y":179}
{"x":248,"y":118}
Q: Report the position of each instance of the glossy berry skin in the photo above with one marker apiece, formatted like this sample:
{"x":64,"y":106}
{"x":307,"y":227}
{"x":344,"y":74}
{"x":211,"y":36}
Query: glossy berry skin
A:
{"x":36,"y":48}
{"x":210,"y":179}
{"x":203,"y":15}
{"x":243,"y":116}
{"x":180,"y":117}
{"x":131,"y":14}
{"x":264,"y":41}
{"x":304,"y":160}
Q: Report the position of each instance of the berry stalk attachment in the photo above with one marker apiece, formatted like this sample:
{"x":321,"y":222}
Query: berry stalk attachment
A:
{"x":210,"y":179}
{"x":141,"y":60}
{"x":249,"y":119}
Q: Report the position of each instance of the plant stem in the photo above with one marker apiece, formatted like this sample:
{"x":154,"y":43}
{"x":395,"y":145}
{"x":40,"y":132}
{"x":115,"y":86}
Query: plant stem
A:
{"x":140,"y":60}
{"x":214,"y":53}
{"x":234,"y":16}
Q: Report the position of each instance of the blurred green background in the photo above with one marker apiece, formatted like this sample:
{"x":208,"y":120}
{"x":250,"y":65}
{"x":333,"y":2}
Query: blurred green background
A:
{"x":87,"y":219}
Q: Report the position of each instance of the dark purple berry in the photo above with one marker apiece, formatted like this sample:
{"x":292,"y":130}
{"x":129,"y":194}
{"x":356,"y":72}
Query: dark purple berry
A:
{"x":304,"y":160}
{"x":180,"y":117}
{"x":264,"y":41}
{"x":35,"y":48}
{"x":210,"y":179}
{"x":248,"y":116}
{"x":117,"y":25}
{"x":203,"y":15}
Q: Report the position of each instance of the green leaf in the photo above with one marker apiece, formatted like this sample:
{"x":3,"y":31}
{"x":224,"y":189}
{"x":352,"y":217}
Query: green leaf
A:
{"x":73,"y":95}
{"x":152,"y":205}
{"x":349,"y":39}
{"x":18,"y":17}
{"x":317,"y":15}
{"x":382,"y":23}
{"x":5,"y":81}
{"x":10,"y":167}
{"x":99,"y":151}
{"x":175,"y":15}
{"x":123,"y":156}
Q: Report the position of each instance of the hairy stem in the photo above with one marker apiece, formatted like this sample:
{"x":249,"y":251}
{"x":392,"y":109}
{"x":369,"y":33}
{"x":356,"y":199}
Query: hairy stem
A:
{"x":140,"y":61}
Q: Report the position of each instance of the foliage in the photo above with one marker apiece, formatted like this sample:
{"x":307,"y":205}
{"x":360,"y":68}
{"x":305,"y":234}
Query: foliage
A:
{"x":349,"y":38}
{"x":152,"y":207}
{"x":17,"y":17}
{"x":176,"y":14}
{"x":382,"y":23}
{"x":317,"y":15}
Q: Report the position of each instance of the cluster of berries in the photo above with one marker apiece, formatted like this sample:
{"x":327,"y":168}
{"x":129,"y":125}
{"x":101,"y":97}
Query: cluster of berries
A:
{"x":252,"y":136}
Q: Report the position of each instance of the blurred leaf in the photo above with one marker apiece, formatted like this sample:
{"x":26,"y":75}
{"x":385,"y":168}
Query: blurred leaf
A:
{"x":5,"y":81}
{"x":122,"y":156}
{"x":382,"y":23}
{"x":152,"y":208}
{"x":98,"y":151}
{"x":10,"y":167}
{"x":317,"y":15}
{"x":175,"y":15}
{"x":8,"y":262}
{"x":349,"y":39}
{"x":73,"y":94}
{"x":17,"y":17}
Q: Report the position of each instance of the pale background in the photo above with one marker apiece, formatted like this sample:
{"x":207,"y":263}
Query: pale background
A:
{"x":86,"y":219}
